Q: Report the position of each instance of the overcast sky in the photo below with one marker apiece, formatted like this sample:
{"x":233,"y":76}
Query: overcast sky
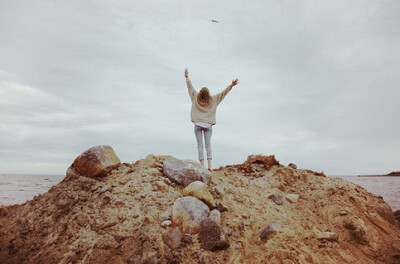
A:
{"x":318,"y":81}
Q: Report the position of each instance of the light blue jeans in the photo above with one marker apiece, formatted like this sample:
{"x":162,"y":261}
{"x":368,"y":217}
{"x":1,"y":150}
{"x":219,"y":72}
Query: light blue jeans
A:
{"x":198,"y":132}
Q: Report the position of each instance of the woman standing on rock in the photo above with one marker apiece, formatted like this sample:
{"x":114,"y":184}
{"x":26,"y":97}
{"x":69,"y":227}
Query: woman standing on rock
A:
{"x":204,"y":108}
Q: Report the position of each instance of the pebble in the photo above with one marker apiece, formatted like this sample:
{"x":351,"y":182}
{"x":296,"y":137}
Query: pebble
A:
{"x":166,"y":223}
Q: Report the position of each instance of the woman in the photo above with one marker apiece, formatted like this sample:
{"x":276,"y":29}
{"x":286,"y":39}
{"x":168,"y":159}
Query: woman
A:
{"x":204,"y":108}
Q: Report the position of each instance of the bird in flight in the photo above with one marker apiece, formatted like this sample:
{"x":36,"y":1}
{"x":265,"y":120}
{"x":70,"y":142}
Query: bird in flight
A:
{"x":214,"y":21}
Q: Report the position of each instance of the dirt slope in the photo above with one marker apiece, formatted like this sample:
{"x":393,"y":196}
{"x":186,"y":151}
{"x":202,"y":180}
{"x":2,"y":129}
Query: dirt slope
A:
{"x":115,"y":219}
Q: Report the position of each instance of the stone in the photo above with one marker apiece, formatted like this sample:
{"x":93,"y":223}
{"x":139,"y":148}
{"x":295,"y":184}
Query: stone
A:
{"x":188,"y":212}
{"x":96,"y":161}
{"x":161,"y":185}
{"x":150,"y":161}
{"x":292,"y":197}
{"x":211,"y":236}
{"x":199,"y":190}
{"x":276,"y":198}
{"x":328,"y":236}
{"x":172,"y":238}
{"x":185,"y":172}
{"x":219,"y":190}
{"x":273,"y":228}
{"x":166,"y":215}
{"x":220,"y":207}
{"x":153,"y":172}
{"x":166,"y":223}
{"x":343,"y":212}
{"x":215,"y":216}
{"x":187,"y":239}
{"x":292,"y":165}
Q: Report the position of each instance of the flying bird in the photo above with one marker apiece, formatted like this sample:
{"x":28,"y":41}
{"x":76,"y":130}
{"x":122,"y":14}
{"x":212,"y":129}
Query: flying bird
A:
{"x":214,"y":21}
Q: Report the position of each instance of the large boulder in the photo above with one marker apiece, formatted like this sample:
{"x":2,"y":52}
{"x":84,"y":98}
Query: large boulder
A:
{"x":96,"y":161}
{"x":199,"y":190}
{"x":185,"y":172}
{"x":188,"y":212}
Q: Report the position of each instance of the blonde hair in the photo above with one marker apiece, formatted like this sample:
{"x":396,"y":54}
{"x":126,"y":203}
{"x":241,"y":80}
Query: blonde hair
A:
{"x":204,"y":97}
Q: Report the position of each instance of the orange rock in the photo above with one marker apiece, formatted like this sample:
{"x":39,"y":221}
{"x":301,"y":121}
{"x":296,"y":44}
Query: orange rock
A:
{"x":97,"y":161}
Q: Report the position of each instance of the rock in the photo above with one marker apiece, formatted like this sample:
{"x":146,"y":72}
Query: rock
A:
{"x":185,"y":172}
{"x":166,"y":215}
{"x":199,"y":190}
{"x":219,"y":190}
{"x":215,"y":216}
{"x":161,"y":185}
{"x":166,"y":223}
{"x":220,"y":207}
{"x":96,"y":161}
{"x":292,"y":165}
{"x":153,"y":172}
{"x":276,"y":198}
{"x":187,"y":239}
{"x":211,"y":236}
{"x":328,"y":236}
{"x":150,"y":161}
{"x":292,"y":197}
{"x":273,"y":228}
{"x":343,"y":212}
{"x":188,"y":212}
{"x":172,"y":238}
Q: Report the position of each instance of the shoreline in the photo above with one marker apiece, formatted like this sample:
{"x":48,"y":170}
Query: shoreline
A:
{"x":378,"y":176}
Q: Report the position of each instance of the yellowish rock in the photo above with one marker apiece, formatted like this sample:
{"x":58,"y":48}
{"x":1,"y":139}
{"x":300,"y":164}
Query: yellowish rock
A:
{"x":161,"y":185}
{"x":199,"y":190}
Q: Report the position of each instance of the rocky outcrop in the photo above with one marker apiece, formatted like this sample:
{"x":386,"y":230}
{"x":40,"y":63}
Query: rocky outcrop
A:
{"x":185,"y":172}
{"x":96,"y":161}
{"x":137,"y":214}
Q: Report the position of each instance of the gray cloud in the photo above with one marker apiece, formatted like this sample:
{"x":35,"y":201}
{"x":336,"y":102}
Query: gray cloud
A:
{"x":318,"y":81}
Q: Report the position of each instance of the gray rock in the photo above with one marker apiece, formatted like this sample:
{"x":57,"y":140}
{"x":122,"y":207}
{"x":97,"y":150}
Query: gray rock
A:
{"x":172,"y":238}
{"x":185,"y":172}
{"x":276,"y":198}
{"x":211,"y":236}
{"x":219,"y":190}
{"x":188,"y":212}
{"x":273,"y":228}
{"x":166,"y":215}
{"x":215,"y":216}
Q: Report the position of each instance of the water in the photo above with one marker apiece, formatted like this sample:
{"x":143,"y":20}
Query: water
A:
{"x":387,"y":187}
{"x":18,"y":188}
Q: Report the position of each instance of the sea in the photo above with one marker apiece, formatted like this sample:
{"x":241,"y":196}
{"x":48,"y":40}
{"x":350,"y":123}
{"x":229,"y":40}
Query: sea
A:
{"x":18,"y":188}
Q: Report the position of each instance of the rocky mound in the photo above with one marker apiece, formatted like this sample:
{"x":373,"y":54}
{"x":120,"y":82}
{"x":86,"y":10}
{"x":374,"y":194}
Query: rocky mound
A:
{"x":149,"y":212}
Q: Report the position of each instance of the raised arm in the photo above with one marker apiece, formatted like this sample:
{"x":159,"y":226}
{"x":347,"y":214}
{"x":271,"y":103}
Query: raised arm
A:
{"x":191,"y":90}
{"x":221,"y":96}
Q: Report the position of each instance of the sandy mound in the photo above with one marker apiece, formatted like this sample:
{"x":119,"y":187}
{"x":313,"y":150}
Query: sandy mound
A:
{"x":270,"y":213}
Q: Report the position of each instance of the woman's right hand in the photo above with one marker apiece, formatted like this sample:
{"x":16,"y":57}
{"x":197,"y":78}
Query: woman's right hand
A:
{"x":186,"y":73}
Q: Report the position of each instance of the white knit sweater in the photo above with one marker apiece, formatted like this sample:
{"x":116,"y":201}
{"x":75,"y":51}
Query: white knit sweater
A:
{"x":205,"y":114}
